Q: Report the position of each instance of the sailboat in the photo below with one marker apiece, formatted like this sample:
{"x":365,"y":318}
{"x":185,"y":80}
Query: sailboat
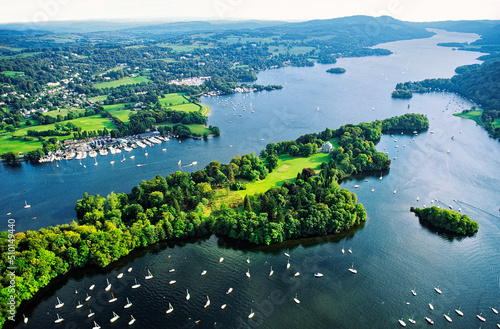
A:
{"x":459,"y":312}
{"x":92,"y":287}
{"x":149,"y":276}
{"x":128,"y":304}
{"x":287,"y":253}
{"x":494,"y":310}
{"x":80,"y":305}
{"x":343,"y":251}
{"x":188,"y":296}
{"x":59,"y":303}
{"x":447,"y":317}
{"x":59,"y":319}
{"x":251,"y":315}
{"x":429,"y":320}
{"x":136,"y":285}
{"x":113,"y":298}
{"x":402,"y":323}
{"x":296,"y":274}
{"x":288,"y":265}
{"x":296,"y":299}
{"x":123,"y":158}
{"x":119,"y":276}
{"x":431,"y":306}
{"x":350,"y":250}
{"x":87,"y":298}
{"x":204,"y":272}
{"x":26,"y":205}
{"x":318,"y":275}
{"x":170,"y":308}
{"x":248,"y":273}
{"x":438,"y":290}
{"x":230,"y":290}
{"x":413,"y":292}
{"x":146,"y":153}
{"x":172,"y":282}
{"x":129,"y":269}
{"x":223,"y":306}
{"x":481,"y":318}
{"x":179,"y":163}
{"x":271,"y":272}
{"x":96,"y":326}
{"x":91,"y":314}
{"x":207,"y":304}
{"x":221,"y":259}
{"x":132,"y":320}
{"x":25,"y":319}
{"x":248,"y":260}
{"x":108,"y":286}
{"x":95,"y":164}
{"x":352,"y":270}
{"x":114,"y":318}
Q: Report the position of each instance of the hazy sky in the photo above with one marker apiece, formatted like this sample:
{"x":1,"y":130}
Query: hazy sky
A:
{"x":410,"y":10}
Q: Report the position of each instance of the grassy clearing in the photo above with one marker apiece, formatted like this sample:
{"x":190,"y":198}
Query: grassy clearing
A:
{"x":113,"y":107}
{"x":12,"y":73}
{"x":297,"y":50}
{"x":194,"y":128}
{"x":288,"y":168}
{"x":473,"y":115}
{"x":239,"y":67}
{"x":21,"y":55}
{"x":173,"y":99}
{"x":121,"y":82}
{"x":64,"y":112}
{"x":190,"y":107}
{"x":98,"y":98}
{"x":122,"y":115}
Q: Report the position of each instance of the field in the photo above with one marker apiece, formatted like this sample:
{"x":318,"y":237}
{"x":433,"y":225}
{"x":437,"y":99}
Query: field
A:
{"x":121,"y":82}
{"x":123,"y":115}
{"x":98,"y":98}
{"x":288,"y":167}
{"x":64,"y":112}
{"x":7,"y":143}
{"x":115,"y":106}
{"x":239,"y":67}
{"x":194,"y":128}
{"x":473,"y":115}
{"x":12,"y":73}
{"x":21,"y":55}
{"x":173,"y":99}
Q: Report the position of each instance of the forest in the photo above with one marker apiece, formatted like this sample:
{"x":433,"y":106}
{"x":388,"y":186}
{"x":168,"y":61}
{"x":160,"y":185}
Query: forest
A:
{"x":183,"y":205}
{"x":448,"y":220}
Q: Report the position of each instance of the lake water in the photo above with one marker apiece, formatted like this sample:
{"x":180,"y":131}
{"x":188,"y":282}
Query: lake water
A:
{"x":392,"y":251}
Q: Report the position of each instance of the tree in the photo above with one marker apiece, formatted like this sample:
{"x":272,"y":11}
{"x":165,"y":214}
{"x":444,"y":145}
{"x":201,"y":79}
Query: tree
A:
{"x":10,"y":157}
{"x":246,"y":204}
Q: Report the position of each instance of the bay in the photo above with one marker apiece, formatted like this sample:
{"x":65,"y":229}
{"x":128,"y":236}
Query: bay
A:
{"x":392,"y":251}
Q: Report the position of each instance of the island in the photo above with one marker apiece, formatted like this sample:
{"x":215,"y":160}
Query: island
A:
{"x":448,"y":220}
{"x":243,"y":200}
{"x":336,"y":70}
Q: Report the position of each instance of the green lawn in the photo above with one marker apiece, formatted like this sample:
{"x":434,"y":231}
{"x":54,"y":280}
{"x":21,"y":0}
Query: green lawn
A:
{"x":113,"y":107}
{"x":173,"y":99}
{"x":64,"y":112}
{"x":98,"y":98}
{"x":473,"y":115}
{"x":288,"y":167}
{"x":190,"y":107}
{"x":12,"y":73}
{"x":21,"y":55}
{"x":194,"y":128}
{"x":121,"y":82}
{"x":239,"y":67}
{"x":123,"y":115}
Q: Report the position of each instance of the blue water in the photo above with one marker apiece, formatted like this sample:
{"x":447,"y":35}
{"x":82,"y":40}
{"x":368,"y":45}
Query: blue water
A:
{"x":392,"y":251}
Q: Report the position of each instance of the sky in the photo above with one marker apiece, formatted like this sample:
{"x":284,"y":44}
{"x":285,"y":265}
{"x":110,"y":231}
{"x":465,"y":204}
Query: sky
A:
{"x":32,"y":11}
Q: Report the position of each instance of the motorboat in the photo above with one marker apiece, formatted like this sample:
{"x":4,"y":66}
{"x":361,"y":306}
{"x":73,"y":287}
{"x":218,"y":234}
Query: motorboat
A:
{"x":318,"y":275}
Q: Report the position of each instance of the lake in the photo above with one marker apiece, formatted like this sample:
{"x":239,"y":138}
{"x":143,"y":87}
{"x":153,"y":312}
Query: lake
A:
{"x":392,"y":252}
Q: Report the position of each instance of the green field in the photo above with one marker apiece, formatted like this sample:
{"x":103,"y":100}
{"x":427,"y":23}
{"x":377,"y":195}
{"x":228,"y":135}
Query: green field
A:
{"x":122,"y":115}
{"x":12,"y":73}
{"x":98,"y":98}
{"x":21,"y":55}
{"x":190,"y":107}
{"x":473,"y":115}
{"x":173,"y":99}
{"x":113,"y":107}
{"x":64,"y":112}
{"x":121,"y":82}
{"x":239,"y":67}
{"x":288,"y":167}
{"x":8,"y":143}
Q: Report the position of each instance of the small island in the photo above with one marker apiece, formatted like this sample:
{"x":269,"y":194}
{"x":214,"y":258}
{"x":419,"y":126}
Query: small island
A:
{"x":336,"y":70}
{"x":449,"y":220}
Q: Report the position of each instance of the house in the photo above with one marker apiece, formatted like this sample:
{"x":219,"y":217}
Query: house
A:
{"x":326,"y":148}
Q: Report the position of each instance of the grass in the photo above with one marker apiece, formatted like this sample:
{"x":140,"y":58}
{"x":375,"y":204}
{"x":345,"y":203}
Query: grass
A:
{"x":21,"y":55}
{"x":121,"y":82}
{"x":244,"y":66}
{"x":194,"y":128}
{"x":473,"y":115}
{"x":98,"y":98}
{"x":173,"y":99}
{"x":190,"y":107}
{"x":123,"y":115}
{"x":288,"y":167}
{"x":64,"y":112}
{"x":178,"y":48}
{"x":113,"y":107}
{"x":12,"y":73}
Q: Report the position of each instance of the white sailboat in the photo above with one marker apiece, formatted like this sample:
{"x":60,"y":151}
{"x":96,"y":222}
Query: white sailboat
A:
{"x":92,"y":287}
{"x":287,"y":253}
{"x":223,"y":306}
{"x":252,"y":314}
{"x":412,"y":321}
{"x":26,"y":205}
{"x":352,"y":270}
{"x":204,"y":272}
{"x":114,"y":318}
{"x":296,"y":299}
{"x":494,"y":310}
{"x":230,"y":290}
{"x":248,"y":260}
{"x":113,"y":298}
{"x":170,"y":308}
{"x":248,"y":273}
{"x":108,"y":286}
{"x":343,"y":250}
{"x":459,"y":312}
{"x":447,"y":317}
{"x":149,"y":276}
{"x":80,"y":305}
{"x":172,"y":282}
{"x":91,"y":314}
{"x":288,"y":265}
{"x":25,"y":319}
{"x":132,"y":320}
{"x":318,"y":275}
{"x":96,"y":326}
{"x":129,"y":269}
{"x":87,"y":298}
{"x":59,"y":303}
{"x":481,"y":318}
{"x":59,"y":319}
{"x":402,"y":323}
{"x":128,"y":304}
{"x":350,"y":250}
{"x":296,"y":274}
{"x":271,"y":272}
{"x":136,"y":285}
{"x":438,"y":290}
{"x":188,"y":296}
{"x":207,"y":304}
{"x":431,"y":306}
{"x":119,"y":276}
{"x":413,"y":292}
{"x":221,"y":259}
{"x":429,"y":320}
